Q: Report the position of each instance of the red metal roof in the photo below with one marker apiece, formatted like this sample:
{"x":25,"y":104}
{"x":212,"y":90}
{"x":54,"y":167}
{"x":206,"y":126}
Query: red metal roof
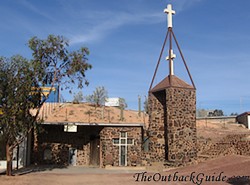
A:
{"x":243,"y":114}
{"x":175,"y":82}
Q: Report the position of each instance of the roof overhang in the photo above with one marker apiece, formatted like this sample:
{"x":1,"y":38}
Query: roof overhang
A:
{"x":171,"y":81}
{"x":244,"y":114}
{"x":96,"y":124}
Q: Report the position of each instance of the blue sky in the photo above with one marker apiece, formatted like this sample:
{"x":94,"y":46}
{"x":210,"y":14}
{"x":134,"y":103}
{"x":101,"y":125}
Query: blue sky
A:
{"x":125,"y":38}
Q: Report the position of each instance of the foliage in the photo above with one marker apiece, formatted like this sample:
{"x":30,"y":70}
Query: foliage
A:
{"x":55,"y":65}
{"x":216,"y":113}
{"x":234,"y":114}
{"x":99,"y":96}
{"x":78,"y":97}
{"x":122,"y":103}
{"x":16,"y":97}
{"x":21,"y":83}
{"x":122,"y":106}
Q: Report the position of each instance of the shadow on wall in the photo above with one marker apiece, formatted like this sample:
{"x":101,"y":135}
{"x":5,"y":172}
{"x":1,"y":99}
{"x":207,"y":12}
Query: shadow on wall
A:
{"x":239,"y":180}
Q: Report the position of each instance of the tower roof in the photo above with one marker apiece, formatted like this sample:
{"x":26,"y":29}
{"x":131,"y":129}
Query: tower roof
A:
{"x":175,"y":82}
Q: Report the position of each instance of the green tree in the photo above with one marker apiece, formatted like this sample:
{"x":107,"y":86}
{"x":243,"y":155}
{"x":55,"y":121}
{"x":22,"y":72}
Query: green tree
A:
{"x":54,"y":64}
{"x":21,"y":83}
{"x":99,"y":96}
{"x":78,"y":97}
{"x":122,"y":105}
{"x":16,"y":99}
{"x":234,"y":114}
{"x":216,"y":113}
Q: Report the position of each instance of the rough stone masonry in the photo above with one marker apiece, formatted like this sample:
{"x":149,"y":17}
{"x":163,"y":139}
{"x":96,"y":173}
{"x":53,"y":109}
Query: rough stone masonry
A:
{"x":172,"y":122}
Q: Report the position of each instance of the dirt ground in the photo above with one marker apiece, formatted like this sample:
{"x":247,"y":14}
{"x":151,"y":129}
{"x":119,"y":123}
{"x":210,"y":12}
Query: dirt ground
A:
{"x":216,"y":130}
{"x":233,"y":170}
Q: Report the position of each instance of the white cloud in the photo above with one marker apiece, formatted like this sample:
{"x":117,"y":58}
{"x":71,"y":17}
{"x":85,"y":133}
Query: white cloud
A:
{"x":105,"y":23}
{"x":102,"y":23}
{"x":181,"y":5}
{"x":36,"y":10}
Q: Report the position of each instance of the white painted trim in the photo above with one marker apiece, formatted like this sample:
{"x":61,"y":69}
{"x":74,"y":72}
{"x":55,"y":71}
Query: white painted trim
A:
{"x":248,"y":122}
{"x":125,"y":145}
{"x":120,"y":148}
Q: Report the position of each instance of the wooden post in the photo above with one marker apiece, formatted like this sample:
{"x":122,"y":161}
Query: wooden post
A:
{"x":66,"y":116}
{"x":139,"y":105}
{"x":103,"y":111}
{"x":109,"y":116}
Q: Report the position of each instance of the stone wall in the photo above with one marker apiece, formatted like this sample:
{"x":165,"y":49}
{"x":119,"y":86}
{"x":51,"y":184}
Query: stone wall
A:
{"x":181,"y":122}
{"x":210,"y":120}
{"x":172,"y":126}
{"x":157,"y":126}
{"x":55,"y":139}
{"x":232,"y":144}
{"x":110,"y":152}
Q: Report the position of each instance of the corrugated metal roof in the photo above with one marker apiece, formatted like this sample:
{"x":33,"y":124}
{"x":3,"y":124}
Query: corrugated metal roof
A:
{"x":175,"y":82}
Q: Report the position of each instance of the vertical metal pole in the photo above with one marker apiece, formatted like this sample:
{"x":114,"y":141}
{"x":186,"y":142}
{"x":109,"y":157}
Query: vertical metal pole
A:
{"x":139,"y":105}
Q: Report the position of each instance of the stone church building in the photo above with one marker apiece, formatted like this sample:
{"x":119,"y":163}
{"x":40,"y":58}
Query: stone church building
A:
{"x":80,"y":134}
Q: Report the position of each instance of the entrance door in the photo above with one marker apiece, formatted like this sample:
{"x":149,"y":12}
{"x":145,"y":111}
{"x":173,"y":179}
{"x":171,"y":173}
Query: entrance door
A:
{"x":95,"y":151}
{"x":72,"y":156}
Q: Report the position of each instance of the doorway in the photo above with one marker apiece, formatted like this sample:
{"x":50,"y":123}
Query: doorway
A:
{"x":95,"y":151}
{"x":72,"y":156}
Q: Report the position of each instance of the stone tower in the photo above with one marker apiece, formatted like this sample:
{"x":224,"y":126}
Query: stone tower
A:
{"x":172,"y":112}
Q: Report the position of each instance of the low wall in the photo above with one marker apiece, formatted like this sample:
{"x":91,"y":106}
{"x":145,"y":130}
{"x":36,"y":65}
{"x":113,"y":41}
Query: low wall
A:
{"x":231,"y":144}
{"x":222,"y":119}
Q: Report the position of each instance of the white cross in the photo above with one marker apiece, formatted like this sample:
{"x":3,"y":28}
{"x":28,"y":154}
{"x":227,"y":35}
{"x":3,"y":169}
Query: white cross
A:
{"x":169,"y":11}
{"x":170,"y":58}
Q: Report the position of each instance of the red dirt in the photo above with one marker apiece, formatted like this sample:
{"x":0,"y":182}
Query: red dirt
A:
{"x":229,"y":166}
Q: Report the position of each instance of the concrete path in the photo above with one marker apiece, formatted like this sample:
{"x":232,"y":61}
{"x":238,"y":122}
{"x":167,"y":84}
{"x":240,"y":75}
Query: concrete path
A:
{"x":79,"y":170}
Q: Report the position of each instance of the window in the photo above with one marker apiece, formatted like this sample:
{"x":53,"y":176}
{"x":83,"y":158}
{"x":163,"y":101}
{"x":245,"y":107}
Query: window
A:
{"x":130,"y":141}
{"x":116,"y":141}
{"x":123,"y":143}
{"x":123,"y":134}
